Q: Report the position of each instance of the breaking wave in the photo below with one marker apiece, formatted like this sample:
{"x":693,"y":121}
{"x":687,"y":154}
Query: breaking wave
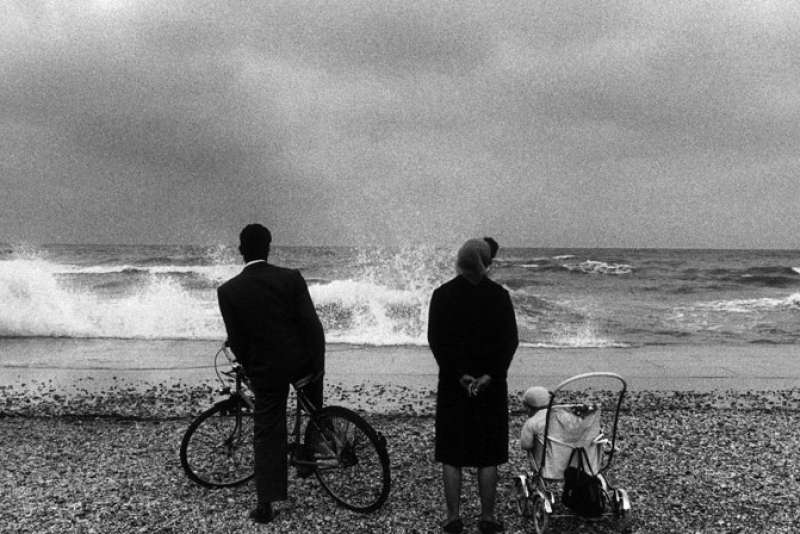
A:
{"x":581,"y":267}
{"x":592,"y":298}
{"x":790,"y":303}
{"x":767,"y":276}
{"x":384,"y":303}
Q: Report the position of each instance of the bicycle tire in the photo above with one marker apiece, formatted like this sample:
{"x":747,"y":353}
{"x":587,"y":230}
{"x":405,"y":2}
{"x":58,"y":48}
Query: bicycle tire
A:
{"x":352,"y":465}
{"x":217,"y":448}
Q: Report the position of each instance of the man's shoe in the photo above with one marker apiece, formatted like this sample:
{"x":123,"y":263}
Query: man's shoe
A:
{"x":490,"y":526}
{"x":305,"y":471}
{"x":454,"y":526}
{"x":262,"y":514}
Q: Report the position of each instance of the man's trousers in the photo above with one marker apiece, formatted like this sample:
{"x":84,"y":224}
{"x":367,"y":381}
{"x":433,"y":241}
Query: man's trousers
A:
{"x":270,"y":434}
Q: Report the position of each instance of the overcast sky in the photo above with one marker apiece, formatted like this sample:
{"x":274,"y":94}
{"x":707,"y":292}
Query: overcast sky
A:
{"x":542,"y":122}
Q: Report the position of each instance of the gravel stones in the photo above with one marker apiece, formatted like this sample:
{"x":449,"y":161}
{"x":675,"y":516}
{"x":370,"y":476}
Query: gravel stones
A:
{"x":107,"y":461}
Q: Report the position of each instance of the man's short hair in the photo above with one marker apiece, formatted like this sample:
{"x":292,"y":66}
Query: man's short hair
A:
{"x":254,"y":241}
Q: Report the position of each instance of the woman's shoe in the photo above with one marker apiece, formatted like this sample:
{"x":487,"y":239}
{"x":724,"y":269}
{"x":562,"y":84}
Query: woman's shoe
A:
{"x":489,"y":526}
{"x":454,"y":526}
{"x":263,"y":514}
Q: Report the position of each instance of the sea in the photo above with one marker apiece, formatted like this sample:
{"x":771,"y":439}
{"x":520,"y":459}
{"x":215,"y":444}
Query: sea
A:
{"x":373,"y":296}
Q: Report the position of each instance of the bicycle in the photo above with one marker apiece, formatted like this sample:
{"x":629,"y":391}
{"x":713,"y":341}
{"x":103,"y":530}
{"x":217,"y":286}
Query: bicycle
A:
{"x":349,"y":457}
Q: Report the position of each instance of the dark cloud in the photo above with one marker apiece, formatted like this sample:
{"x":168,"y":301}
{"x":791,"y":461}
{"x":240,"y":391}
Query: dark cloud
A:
{"x":385,"y":121}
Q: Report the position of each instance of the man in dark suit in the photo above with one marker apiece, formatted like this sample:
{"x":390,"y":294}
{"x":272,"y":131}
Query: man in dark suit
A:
{"x":274,"y":331}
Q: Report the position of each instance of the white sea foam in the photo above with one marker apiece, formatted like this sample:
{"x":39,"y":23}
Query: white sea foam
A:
{"x":601,"y":267}
{"x":40,"y":302}
{"x":791,"y":302}
{"x":576,"y":344}
{"x":214,"y":273}
{"x":584,"y":336}
{"x":385,"y":302}
{"x":377,"y":296}
{"x":37,"y":303}
{"x":363,"y":312}
{"x":536,"y":263}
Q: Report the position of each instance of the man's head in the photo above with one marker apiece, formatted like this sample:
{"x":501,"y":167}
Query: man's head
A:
{"x":254,"y":241}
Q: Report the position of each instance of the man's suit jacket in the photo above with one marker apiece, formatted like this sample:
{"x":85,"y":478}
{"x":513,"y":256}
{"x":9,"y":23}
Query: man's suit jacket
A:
{"x":272,"y":326}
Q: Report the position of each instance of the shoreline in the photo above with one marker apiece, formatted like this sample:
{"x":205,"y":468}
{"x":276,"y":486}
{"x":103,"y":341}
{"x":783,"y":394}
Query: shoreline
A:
{"x":172,"y":378}
{"x":371,"y":381}
{"x":65,"y":361}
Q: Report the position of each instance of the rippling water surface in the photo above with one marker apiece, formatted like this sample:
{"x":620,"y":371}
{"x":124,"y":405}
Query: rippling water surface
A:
{"x":563,"y":297}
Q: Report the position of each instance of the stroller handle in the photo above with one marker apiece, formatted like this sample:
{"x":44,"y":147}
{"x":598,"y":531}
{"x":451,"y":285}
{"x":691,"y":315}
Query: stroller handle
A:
{"x":576,"y":378}
{"x":584,"y":376}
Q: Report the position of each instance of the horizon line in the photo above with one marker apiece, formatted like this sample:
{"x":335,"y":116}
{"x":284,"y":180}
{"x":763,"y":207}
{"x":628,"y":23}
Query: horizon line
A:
{"x":10,"y":244}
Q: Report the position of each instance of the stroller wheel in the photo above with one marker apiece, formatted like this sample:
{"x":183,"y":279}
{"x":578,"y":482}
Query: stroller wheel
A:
{"x":539,"y":514}
{"x":522,"y":497}
{"x":621,"y":503}
{"x":622,"y":510}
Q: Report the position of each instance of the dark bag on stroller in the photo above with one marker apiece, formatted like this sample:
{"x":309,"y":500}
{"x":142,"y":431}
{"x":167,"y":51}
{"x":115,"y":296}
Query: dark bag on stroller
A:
{"x":584,"y":492}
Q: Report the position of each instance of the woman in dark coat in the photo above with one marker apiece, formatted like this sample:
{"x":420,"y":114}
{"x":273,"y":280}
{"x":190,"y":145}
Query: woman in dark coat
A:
{"x":472,"y":332}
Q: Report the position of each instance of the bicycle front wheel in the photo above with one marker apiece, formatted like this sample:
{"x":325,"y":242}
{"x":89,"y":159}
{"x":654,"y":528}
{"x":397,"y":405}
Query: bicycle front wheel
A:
{"x":351,"y":459}
{"x":217,"y":449}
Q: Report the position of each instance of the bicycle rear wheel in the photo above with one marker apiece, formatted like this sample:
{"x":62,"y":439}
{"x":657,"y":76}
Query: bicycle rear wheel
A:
{"x":351,"y":459}
{"x":217,"y":448}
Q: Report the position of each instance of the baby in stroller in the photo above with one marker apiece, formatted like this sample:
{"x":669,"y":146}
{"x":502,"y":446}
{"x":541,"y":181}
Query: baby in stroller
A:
{"x":567,"y":451}
{"x":571,"y":426}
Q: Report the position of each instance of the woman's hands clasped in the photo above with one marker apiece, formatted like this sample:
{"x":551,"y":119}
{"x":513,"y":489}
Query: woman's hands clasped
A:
{"x":474,"y":386}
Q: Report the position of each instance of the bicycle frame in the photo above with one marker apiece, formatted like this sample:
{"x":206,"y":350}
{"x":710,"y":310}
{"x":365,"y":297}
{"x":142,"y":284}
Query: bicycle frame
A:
{"x":237,"y":374}
{"x":304,"y":404}
{"x":332,"y":441}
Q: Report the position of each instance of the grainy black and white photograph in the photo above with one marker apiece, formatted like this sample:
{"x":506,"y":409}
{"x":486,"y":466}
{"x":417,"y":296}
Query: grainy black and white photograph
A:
{"x":399,"y":266}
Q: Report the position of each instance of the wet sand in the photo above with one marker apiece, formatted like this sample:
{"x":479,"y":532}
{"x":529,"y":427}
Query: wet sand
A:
{"x":656,"y":368}
{"x":56,"y":372}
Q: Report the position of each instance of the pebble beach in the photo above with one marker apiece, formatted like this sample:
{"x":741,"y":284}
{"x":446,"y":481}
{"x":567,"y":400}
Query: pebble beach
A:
{"x":102,"y":456}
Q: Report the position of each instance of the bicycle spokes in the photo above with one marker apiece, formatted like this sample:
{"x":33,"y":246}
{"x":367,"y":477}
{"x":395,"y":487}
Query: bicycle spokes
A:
{"x":347,"y":455}
{"x":218,"y":448}
{"x":351,"y":461}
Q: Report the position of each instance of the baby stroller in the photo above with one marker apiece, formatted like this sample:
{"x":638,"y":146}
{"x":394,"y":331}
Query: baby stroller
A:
{"x":572,"y":449}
